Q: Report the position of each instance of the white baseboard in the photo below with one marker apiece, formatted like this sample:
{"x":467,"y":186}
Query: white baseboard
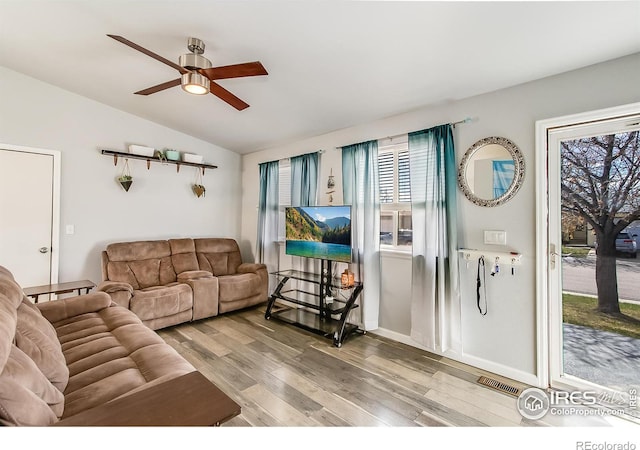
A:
{"x":480,"y":363}
{"x":402,"y":338}
{"x":497,"y":368}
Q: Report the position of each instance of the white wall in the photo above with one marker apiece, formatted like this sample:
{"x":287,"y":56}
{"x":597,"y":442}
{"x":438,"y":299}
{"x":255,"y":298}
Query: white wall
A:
{"x":504,"y":340}
{"x":159,"y":204}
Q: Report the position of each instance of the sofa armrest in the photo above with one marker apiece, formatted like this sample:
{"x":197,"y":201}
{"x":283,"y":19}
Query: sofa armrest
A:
{"x":193,"y":275}
{"x":119,"y":291}
{"x":114,"y":286}
{"x":57,"y":310}
{"x":205,"y":294}
{"x":250,"y":267}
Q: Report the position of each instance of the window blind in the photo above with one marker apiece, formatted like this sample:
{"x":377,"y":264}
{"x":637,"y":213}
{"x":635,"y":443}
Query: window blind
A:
{"x":386,"y":174}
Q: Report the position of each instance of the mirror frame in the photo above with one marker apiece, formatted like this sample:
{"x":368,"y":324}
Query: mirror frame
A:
{"x":518,"y":174}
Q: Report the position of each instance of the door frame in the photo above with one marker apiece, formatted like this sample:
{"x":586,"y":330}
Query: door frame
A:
{"x":544,"y":281}
{"x":55,"y":207}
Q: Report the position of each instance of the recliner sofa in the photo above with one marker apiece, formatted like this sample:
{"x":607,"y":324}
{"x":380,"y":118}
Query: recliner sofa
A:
{"x":167,"y":282}
{"x":62,"y":358}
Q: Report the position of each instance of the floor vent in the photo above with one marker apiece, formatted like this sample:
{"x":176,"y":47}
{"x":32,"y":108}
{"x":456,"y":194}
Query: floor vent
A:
{"x":500,"y":386}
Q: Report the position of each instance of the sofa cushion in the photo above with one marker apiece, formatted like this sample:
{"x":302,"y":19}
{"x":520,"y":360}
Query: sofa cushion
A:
{"x":142,"y":273}
{"x":183,"y":255}
{"x":110,"y":354}
{"x":161,"y":301}
{"x":26,"y":396}
{"x":141,"y":263}
{"x":8,"y":321}
{"x":138,"y":250}
{"x":37,"y":338}
{"x":10,"y":289}
{"x":219,"y":256}
{"x":239,"y":286}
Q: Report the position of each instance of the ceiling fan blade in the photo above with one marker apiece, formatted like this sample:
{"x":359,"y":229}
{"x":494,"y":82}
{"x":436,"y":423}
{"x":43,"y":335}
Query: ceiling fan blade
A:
{"x":148,"y":53}
{"x":227,"y":96}
{"x":160,"y":87}
{"x":250,"y":69}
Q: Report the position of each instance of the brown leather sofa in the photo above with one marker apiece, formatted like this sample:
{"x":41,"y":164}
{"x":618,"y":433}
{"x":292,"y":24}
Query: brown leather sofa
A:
{"x":167,"y":282}
{"x":67,"y":357}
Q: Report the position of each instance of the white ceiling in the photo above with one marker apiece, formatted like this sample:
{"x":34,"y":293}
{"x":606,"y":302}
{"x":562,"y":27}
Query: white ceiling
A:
{"x":331,"y":64}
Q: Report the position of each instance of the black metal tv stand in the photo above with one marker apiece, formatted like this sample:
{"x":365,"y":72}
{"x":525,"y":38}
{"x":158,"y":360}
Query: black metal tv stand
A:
{"x":310,"y":310}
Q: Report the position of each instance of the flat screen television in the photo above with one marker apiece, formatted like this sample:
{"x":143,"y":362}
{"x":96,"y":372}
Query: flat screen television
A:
{"x":322,"y":232}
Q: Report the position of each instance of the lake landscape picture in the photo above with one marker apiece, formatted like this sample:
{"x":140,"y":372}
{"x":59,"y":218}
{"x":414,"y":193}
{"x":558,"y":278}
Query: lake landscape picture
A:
{"x":322,"y":232}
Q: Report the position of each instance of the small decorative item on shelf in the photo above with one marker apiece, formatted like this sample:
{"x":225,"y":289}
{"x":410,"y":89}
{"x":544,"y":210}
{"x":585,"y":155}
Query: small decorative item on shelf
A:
{"x":192,"y":158}
{"x":347,"y":279}
{"x":125,"y":179}
{"x":172,"y":155}
{"x":160,"y":155}
{"x":141,"y":150}
{"x":198,"y":188}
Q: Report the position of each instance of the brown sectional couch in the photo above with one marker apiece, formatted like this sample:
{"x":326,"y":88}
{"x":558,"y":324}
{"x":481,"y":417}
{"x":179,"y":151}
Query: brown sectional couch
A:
{"x":167,"y":282}
{"x":65,"y":357}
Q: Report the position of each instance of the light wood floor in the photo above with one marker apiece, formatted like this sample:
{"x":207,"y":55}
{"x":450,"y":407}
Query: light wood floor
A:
{"x":284,"y":376}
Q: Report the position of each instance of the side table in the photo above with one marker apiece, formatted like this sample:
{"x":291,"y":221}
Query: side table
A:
{"x":189,"y":400}
{"x":60,"y":288}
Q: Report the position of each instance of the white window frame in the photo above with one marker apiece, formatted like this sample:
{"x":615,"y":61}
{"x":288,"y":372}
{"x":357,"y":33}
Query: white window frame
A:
{"x":395,"y":146}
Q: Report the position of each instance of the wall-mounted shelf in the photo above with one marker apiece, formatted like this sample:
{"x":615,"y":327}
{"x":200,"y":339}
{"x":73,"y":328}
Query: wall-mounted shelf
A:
{"x":149,"y":159}
{"x":507,"y":258}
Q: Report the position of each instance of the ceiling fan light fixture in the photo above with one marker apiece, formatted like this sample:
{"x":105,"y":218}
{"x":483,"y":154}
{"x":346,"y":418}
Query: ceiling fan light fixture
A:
{"x":192,"y":61}
{"x":194,"y":83}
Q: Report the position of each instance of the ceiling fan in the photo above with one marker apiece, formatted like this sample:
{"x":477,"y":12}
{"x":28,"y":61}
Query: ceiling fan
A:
{"x":197,"y":73}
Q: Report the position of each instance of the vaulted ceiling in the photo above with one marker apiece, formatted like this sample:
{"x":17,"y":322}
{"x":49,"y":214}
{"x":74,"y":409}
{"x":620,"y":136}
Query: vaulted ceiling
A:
{"x":331,"y":64}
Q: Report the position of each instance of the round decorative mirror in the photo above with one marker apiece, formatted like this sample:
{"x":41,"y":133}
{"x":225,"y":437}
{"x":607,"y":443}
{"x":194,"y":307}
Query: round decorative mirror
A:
{"x":491,"y":171}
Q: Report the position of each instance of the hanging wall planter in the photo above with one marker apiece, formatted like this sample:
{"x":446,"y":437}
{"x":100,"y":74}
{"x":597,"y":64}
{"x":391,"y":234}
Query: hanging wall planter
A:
{"x":125,"y":182}
{"x":198,"y":188}
{"x":125,"y":179}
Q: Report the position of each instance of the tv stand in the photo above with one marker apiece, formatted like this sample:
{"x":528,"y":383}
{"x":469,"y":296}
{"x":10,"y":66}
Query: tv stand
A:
{"x":310,"y":310}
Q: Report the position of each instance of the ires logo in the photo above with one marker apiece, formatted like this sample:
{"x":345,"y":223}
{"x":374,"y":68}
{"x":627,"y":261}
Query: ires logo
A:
{"x":560,"y":398}
{"x":534,"y":403}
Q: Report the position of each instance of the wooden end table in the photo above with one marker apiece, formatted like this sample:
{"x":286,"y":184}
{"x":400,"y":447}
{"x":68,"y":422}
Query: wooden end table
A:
{"x":189,"y":400}
{"x":60,"y":288}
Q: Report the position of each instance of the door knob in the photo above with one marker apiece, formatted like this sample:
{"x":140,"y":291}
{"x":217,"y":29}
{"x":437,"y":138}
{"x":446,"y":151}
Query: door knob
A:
{"x":44,"y":249}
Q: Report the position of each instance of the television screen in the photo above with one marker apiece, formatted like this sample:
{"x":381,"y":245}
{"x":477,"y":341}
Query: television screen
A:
{"x":322,"y":232}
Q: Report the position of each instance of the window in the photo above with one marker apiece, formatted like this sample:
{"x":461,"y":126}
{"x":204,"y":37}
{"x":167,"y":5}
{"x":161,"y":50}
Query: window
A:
{"x":396,"y":230}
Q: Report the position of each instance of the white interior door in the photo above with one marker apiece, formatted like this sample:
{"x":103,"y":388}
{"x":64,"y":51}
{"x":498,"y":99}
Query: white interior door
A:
{"x":29,"y":214}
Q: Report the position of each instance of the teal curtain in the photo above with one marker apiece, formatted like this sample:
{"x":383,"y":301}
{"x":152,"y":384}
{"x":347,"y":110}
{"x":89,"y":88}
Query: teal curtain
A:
{"x":304,"y":192}
{"x":360,"y":186}
{"x":267,"y":241}
{"x":304,"y":179}
{"x":434,"y":287}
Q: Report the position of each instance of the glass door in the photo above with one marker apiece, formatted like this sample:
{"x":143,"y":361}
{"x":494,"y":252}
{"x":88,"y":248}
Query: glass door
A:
{"x":594,"y":272}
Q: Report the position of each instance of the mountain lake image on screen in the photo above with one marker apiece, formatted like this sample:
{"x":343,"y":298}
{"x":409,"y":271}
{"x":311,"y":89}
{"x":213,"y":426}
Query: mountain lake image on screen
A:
{"x":322,"y":232}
